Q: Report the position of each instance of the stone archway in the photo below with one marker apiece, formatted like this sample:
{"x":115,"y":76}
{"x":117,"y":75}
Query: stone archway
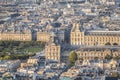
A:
{"x":115,"y":44}
{"x":108,"y":43}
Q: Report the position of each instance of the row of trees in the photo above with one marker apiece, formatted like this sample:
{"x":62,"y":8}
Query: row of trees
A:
{"x":10,"y":46}
{"x":16,"y":56}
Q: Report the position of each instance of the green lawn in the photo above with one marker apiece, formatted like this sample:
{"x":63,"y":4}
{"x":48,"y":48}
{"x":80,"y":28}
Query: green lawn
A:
{"x":32,"y":49}
{"x":19,"y":50}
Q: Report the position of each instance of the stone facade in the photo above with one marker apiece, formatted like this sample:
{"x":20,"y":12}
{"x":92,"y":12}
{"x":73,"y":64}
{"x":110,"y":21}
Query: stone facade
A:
{"x":53,"y":52}
{"x":43,"y":36}
{"x":92,"y":54}
{"x":91,"y":38}
{"x":96,"y":52}
{"x":15,"y":37}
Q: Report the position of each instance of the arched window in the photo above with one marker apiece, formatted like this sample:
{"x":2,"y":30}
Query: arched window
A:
{"x":115,"y":44}
{"x":108,"y":43}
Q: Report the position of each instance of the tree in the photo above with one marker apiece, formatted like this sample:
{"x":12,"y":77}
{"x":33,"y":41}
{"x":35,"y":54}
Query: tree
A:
{"x":1,"y":48}
{"x":21,"y":45}
{"x":1,"y":58}
{"x":1,"y":43}
{"x":72,"y":58}
{"x":7,"y":57}
{"x":31,"y":54}
{"x":15,"y":43}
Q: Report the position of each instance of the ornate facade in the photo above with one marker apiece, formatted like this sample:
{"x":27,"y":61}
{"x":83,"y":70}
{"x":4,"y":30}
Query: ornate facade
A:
{"x":53,"y":52}
{"x":92,"y":38}
{"x":15,"y":37}
{"x":89,"y":54}
{"x":43,"y":36}
{"x":96,"y":52}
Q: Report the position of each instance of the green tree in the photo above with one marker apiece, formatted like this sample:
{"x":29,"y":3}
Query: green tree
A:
{"x":1,"y":43}
{"x":8,"y":49}
{"x":1,"y":58}
{"x":1,"y":48}
{"x":21,"y":45}
{"x":6,"y":57}
{"x":31,"y":54}
{"x":6,"y":43}
{"x":72,"y":58}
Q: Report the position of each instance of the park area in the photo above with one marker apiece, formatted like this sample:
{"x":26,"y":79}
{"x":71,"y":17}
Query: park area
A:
{"x":19,"y":49}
